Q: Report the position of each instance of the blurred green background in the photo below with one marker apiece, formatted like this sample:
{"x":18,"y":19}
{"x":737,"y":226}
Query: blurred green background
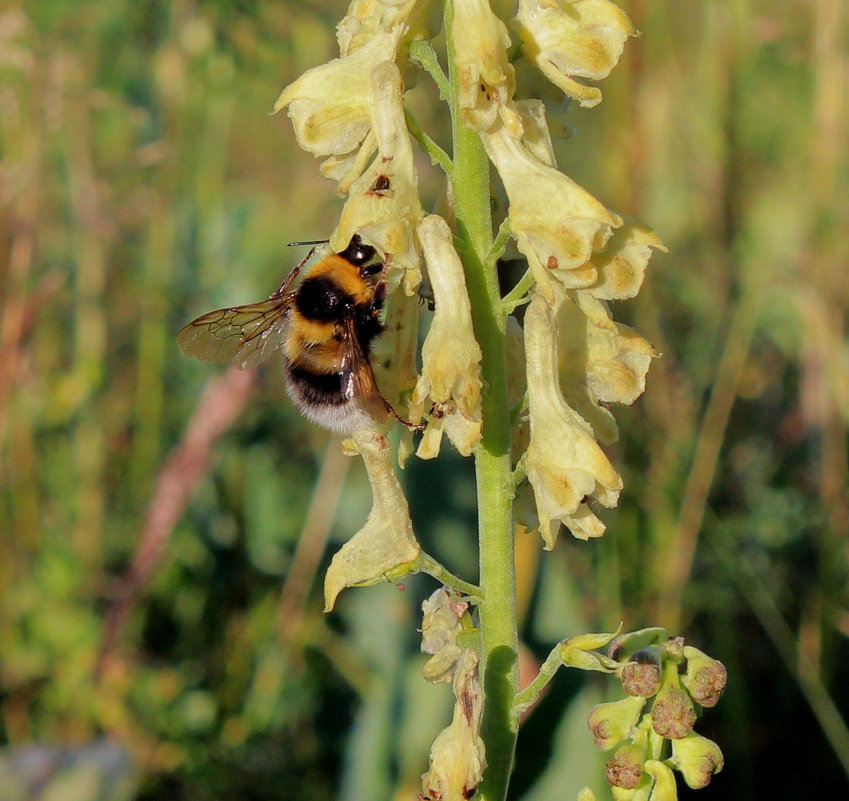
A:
{"x":162,"y":538}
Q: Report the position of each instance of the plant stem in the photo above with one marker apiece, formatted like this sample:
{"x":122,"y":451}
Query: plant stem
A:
{"x":427,"y":564}
{"x":499,"y":639}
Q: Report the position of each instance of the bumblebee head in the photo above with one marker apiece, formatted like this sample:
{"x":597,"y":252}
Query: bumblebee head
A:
{"x":362,"y":256}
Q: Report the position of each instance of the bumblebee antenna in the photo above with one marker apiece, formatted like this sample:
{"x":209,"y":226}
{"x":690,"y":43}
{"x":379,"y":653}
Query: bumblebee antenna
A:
{"x":312,"y":242}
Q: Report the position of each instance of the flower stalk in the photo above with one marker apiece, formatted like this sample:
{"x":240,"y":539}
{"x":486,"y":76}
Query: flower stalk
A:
{"x":529,"y":402}
{"x":493,"y":471}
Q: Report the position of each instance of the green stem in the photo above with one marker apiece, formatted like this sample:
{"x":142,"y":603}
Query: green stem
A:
{"x":436,"y":153}
{"x":498,"y":623}
{"x":527,"y":697}
{"x":519,"y":294}
{"x":427,"y":564}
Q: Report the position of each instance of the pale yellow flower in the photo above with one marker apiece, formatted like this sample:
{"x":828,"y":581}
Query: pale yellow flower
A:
{"x":601,"y":361}
{"x":366,"y":17}
{"x":331,"y":105}
{"x":486,"y":77}
{"x":394,"y":355}
{"x":450,"y":380}
{"x":573,"y":38}
{"x":564,"y":464}
{"x":383,"y":205}
{"x":557,"y":224}
{"x":385,"y":547}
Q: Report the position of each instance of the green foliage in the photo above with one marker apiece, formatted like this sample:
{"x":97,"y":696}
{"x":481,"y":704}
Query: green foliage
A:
{"x":142,"y":183}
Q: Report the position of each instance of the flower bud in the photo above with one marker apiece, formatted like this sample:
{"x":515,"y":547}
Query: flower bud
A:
{"x":704,"y":678}
{"x":632,"y":641}
{"x":672,"y":713}
{"x":642,"y":675}
{"x":612,"y":721}
{"x":626,"y":768}
{"x":697,"y":758}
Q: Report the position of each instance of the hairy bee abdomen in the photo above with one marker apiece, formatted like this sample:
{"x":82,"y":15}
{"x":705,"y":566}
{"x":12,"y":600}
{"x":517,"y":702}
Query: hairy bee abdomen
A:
{"x":327,"y":399}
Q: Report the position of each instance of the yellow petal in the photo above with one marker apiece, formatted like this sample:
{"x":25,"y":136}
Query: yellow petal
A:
{"x":564,"y":463}
{"x":366,"y":17}
{"x":617,"y":357}
{"x":557,"y":224}
{"x":385,"y":547}
{"x":568,"y":38}
{"x":450,"y":380}
{"x":383,"y":206}
{"x":486,"y":77}
{"x":622,"y":266}
{"x":600,"y":361}
{"x":330,"y":105}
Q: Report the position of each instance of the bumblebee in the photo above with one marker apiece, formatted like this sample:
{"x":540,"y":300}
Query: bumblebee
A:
{"x":324,"y":329}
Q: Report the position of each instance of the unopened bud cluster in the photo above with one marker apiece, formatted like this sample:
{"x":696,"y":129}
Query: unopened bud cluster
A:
{"x":651,"y":729}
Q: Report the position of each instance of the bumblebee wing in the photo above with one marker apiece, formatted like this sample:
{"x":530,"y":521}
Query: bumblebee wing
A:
{"x":358,"y":381}
{"x":246,"y":335}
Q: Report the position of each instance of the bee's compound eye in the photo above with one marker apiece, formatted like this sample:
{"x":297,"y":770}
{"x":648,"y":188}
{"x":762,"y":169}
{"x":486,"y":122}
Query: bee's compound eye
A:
{"x":357,"y":252}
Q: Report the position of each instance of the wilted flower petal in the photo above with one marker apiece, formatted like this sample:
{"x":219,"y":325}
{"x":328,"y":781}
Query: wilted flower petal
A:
{"x":536,"y":136}
{"x":457,"y":756}
{"x":567,"y":38}
{"x":451,"y":356}
{"x":441,"y":624}
{"x":564,"y":464}
{"x":385,"y":546}
{"x":486,"y":76}
{"x":557,"y":224}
